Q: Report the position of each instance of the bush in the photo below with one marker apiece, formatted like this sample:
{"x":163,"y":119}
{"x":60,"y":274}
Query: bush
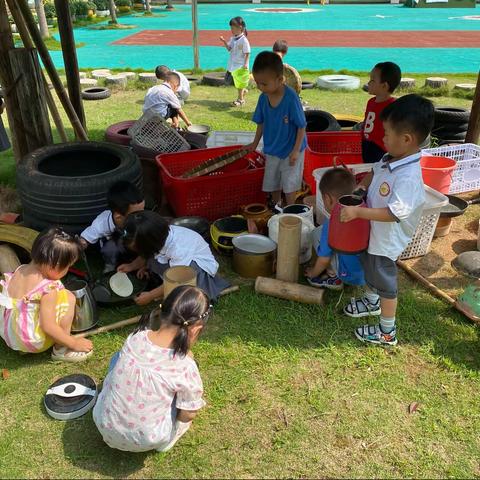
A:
{"x":123,"y":3}
{"x":50,"y":11}
{"x":101,"y":4}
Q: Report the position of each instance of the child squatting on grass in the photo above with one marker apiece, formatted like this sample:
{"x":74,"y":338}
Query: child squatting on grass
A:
{"x":160,"y":246}
{"x":153,"y":389}
{"x":395,"y":197}
{"x":281,"y":121}
{"x":331,"y":270}
{"x":123,"y":198}
{"x":36,"y":311}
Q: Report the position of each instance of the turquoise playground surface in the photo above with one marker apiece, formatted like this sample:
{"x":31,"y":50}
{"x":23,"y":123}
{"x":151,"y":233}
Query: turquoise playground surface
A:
{"x":100,"y":52}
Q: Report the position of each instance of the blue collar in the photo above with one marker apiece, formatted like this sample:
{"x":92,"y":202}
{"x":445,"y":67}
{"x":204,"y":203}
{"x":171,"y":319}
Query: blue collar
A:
{"x":414,"y":158}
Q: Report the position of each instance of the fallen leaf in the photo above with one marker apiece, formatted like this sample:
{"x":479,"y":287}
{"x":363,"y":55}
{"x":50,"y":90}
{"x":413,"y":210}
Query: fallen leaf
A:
{"x":413,"y":407}
{"x":5,"y":373}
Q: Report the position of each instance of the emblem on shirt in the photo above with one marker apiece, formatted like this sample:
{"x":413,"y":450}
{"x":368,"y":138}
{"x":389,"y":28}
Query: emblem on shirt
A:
{"x":285,"y":119}
{"x":384,"y":189}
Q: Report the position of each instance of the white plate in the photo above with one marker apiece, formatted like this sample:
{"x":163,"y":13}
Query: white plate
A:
{"x":121,"y":284}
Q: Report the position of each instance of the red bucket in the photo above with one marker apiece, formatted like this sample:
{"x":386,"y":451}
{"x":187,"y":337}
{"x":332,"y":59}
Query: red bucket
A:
{"x":437,"y":172}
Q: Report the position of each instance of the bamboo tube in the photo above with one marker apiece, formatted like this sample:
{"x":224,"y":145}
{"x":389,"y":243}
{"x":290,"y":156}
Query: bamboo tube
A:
{"x":289,"y":233}
{"x":177,"y":276}
{"x":50,"y":67}
{"x":289,"y":291}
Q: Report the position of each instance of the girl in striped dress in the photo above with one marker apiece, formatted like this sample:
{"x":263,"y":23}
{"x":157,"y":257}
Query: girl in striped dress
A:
{"x":36,"y":311}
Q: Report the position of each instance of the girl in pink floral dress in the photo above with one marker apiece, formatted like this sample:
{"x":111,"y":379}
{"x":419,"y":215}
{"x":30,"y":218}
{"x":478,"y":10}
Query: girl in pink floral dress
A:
{"x":153,"y":389}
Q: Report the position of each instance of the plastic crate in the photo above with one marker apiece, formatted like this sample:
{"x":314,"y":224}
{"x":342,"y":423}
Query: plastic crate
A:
{"x":227,"y":138}
{"x":328,"y":149}
{"x":218,"y":194}
{"x":422,"y":239}
{"x":466,"y":177}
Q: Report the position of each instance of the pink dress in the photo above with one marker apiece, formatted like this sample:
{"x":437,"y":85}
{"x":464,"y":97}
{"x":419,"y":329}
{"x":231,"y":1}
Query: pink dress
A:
{"x":135,"y":411}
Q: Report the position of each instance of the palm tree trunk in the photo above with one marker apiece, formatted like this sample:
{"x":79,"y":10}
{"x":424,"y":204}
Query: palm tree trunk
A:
{"x":148,"y":8}
{"x":113,"y":12}
{"x":42,"y":20}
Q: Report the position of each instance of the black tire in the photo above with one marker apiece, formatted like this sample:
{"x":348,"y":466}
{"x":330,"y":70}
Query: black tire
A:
{"x":447,"y":133}
{"x":451,"y":136}
{"x":451,"y":127}
{"x":451,"y":115}
{"x":52,"y":195}
{"x":307,"y":85}
{"x":320,"y":121}
{"x":96,"y":93}
{"x":214,"y":79}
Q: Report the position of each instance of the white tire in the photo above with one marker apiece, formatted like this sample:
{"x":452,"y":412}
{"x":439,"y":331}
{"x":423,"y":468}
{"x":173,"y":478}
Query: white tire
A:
{"x":337,"y":82}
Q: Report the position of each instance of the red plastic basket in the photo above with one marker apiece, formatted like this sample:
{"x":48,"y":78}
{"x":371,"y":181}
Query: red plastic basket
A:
{"x":328,"y":149}
{"x":218,"y":194}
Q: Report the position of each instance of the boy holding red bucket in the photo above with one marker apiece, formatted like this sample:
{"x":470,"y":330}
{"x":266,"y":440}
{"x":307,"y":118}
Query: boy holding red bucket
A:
{"x":395,"y":196}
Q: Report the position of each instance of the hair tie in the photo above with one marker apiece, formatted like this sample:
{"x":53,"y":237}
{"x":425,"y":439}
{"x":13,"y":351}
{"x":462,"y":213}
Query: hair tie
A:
{"x":185,"y":323}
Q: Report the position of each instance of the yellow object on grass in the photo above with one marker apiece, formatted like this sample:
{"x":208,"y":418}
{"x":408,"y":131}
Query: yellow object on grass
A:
{"x":241,"y":77}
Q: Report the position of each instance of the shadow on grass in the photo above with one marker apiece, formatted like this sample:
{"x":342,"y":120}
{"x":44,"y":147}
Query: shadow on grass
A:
{"x":84,"y":448}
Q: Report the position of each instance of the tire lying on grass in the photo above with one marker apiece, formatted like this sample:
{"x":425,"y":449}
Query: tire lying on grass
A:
{"x":118,"y":133}
{"x":450,"y":123}
{"x":214,"y":79}
{"x":66,"y":184}
{"x":96,"y":93}
{"x":451,"y":115}
{"x":307,"y":85}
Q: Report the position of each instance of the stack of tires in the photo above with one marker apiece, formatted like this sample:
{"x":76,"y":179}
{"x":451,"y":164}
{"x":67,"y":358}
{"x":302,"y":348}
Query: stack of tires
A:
{"x":451,"y":124}
{"x":321,"y":121}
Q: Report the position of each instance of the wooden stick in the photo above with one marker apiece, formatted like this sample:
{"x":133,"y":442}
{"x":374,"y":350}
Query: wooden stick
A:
{"x":133,"y":320}
{"x":27,"y":43}
{"x":50,"y":67}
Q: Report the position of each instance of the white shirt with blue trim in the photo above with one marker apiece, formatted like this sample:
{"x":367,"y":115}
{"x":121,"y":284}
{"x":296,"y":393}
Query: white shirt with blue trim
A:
{"x":102,"y":227}
{"x":399,"y":187}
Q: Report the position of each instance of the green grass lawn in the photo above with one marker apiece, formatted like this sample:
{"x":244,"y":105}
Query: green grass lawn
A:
{"x":290,"y":392}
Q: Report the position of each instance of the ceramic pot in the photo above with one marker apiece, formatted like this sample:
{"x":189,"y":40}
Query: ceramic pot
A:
{"x":259,"y":214}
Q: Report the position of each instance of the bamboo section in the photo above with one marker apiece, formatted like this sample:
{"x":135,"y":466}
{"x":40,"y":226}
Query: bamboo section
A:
{"x":289,"y":291}
{"x":289,"y":233}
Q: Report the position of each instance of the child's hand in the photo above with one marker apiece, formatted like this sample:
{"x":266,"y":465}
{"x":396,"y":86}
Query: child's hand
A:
{"x":125,"y":267}
{"x":82,"y":345}
{"x":222,"y":39}
{"x":143,"y":273}
{"x":143,"y":298}
{"x":347,"y":214}
{"x":292,"y":159}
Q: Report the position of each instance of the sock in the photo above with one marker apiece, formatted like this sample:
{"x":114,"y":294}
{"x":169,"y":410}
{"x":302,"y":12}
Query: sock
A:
{"x":371,"y":297}
{"x":387,"y":325}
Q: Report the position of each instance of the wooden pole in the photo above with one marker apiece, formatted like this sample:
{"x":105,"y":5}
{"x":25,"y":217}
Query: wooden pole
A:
{"x":27,"y":43}
{"x":289,"y":291}
{"x":30,"y":89}
{"x":473,"y":132}
{"x":196,"y":54}
{"x":289,"y":235}
{"x":8,"y":82}
{"x":69,"y":52}
{"x":50,"y":67}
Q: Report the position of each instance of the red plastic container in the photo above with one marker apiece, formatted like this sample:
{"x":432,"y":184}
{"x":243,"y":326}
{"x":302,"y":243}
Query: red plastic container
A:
{"x":352,"y":237}
{"x":218,"y":194}
{"x":329,"y":149}
{"x":437,"y":172}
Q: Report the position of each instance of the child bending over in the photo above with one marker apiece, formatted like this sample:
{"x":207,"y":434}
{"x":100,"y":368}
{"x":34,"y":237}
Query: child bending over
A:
{"x":123,"y":198}
{"x":331,"y":270}
{"x":162,"y":100}
{"x":281,"y":121}
{"x":183,"y":91}
{"x":36,"y":311}
{"x":161,"y":246}
{"x":395,"y":198}
{"x":153,"y":389}
{"x":384,"y":79}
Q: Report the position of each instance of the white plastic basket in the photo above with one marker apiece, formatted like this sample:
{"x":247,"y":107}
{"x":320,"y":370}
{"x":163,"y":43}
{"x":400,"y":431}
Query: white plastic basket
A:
{"x":422,"y":239}
{"x":466,"y":177}
{"x":227,"y":138}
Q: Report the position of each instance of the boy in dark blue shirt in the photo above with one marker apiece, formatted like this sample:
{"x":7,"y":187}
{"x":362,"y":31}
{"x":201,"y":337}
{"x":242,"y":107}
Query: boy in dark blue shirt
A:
{"x":281,"y":121}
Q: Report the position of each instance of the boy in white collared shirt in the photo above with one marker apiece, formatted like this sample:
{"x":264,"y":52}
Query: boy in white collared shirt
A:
{"x":395,"y":198}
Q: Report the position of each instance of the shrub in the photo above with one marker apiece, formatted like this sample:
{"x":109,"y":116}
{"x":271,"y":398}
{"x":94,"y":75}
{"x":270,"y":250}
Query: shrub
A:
{"x":123,"y":3}
{"x":50,"y":11}
{"x":101,"y":4}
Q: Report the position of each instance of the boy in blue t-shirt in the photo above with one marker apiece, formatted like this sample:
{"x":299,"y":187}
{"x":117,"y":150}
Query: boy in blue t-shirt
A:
{"x":331,"y":270}
{"x":281,"y":121}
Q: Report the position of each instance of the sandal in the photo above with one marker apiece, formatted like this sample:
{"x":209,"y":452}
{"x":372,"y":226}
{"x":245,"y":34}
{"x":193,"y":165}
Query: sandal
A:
{"x":361,"y":307}
{"x":63,"y":354}
{"x":238,"y":103}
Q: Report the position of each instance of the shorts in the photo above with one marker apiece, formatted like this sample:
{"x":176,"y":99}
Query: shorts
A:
{"x":380,"y":275}
{"x":228,"y":79}
{"x":281,"y":176}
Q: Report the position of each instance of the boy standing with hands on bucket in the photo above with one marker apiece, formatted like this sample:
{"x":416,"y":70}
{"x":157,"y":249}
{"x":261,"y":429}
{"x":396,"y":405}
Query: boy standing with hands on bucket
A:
{"x":395,"y":198}
{"x":281,"y":121}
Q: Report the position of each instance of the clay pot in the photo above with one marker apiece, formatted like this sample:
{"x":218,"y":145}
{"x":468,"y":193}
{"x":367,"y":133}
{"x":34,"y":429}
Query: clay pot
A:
{"x":259,"y":214}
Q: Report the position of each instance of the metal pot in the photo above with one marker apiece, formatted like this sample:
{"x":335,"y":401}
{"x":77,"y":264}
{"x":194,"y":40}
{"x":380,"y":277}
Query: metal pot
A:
{"x":85,"y":307}
{"x":254,"y":255}
{"x":201,"y":129}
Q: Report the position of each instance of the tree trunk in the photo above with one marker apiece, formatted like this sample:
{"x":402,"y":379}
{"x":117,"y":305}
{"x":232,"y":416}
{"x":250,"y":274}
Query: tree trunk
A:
{"x":42,"y":20}
{"x":113,"y":12}
{"x":148,"y":8}
{"x":169,"y":5}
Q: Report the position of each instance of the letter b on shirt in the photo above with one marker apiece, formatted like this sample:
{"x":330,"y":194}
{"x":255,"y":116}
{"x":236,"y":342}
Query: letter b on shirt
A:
{"x":369,"y":122}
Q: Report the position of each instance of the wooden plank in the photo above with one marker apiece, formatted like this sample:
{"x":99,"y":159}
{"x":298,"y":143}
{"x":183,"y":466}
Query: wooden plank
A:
{"x":30,"y":89}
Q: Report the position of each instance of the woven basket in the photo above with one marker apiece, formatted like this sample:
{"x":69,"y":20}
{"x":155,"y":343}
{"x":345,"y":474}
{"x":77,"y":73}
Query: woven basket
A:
{"x":153,"y":132}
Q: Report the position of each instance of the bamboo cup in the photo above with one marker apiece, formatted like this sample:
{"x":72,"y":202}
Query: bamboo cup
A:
{"x":289,"y":233}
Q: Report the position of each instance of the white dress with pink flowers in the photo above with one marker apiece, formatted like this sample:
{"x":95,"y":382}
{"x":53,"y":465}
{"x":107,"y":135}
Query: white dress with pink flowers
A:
{"x":134,"y":411}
